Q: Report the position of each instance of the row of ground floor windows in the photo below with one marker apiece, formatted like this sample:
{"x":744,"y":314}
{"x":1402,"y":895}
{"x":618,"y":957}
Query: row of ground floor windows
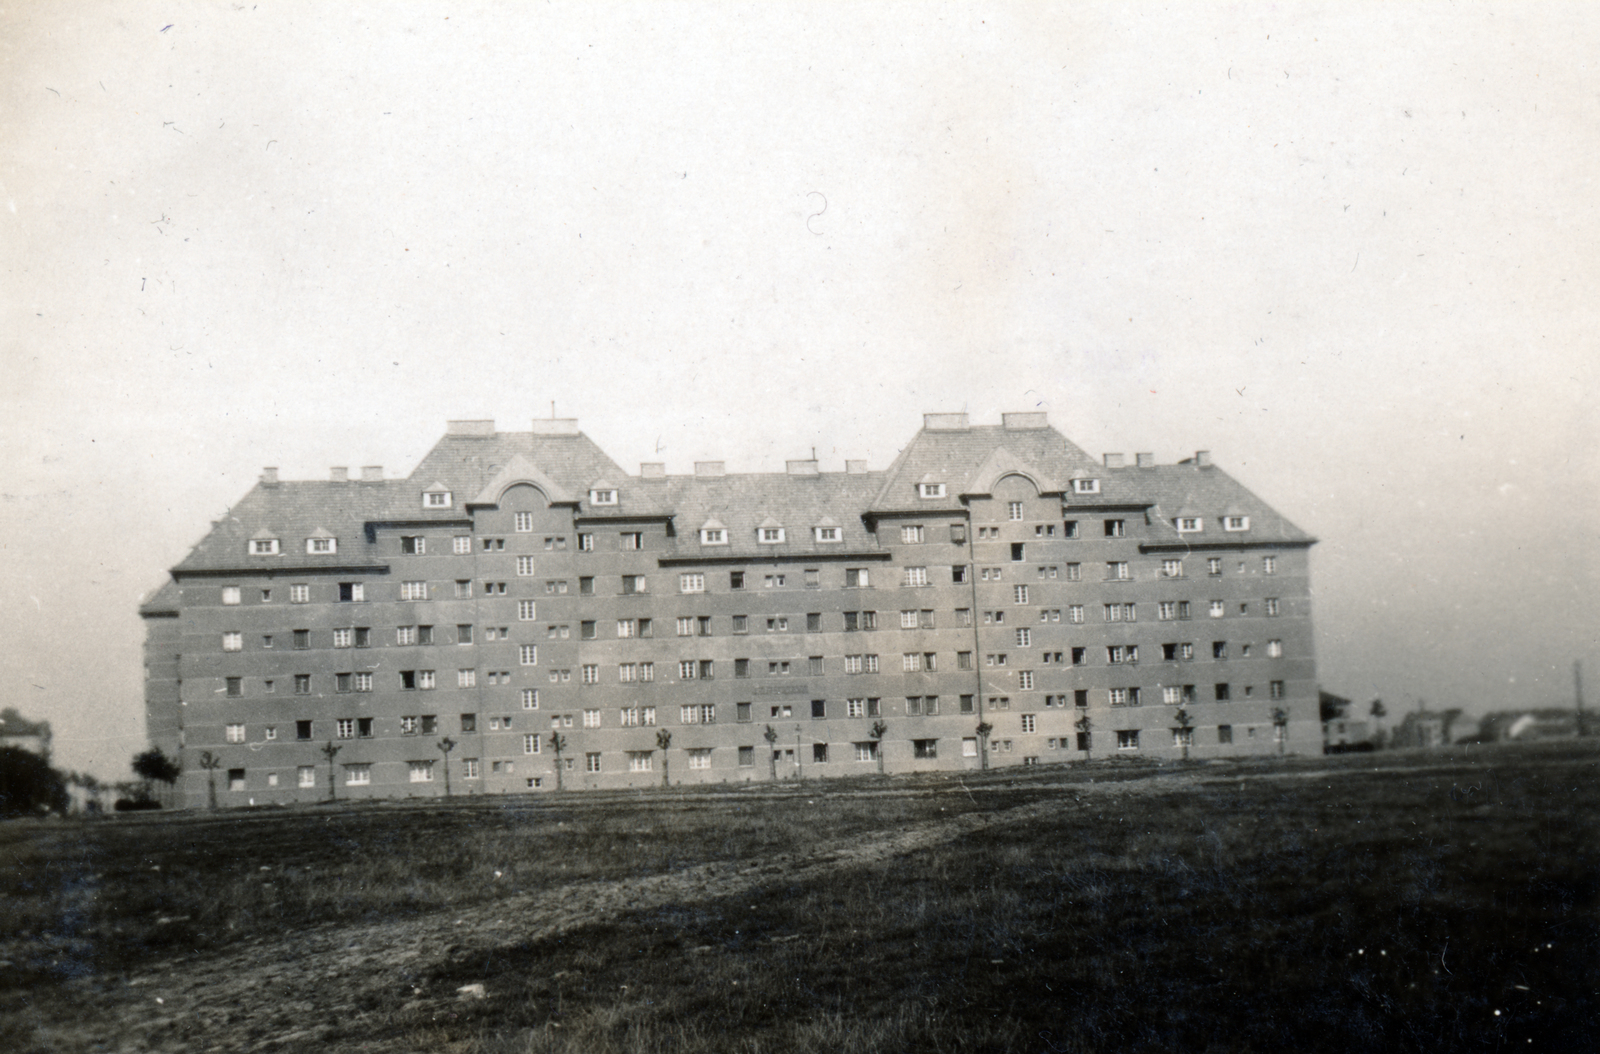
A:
{"x":359,"y":774}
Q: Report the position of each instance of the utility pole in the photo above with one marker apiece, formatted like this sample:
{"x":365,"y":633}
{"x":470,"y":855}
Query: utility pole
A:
{"x":1577,"y":696}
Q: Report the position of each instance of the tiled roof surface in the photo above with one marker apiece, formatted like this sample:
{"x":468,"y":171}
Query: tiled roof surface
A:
{"x":959,"y":460}
{"x":966,"y":461}
{"x":161,"y":601}
{"x":293,"y":511}
{"x":743,"y":502}
{"x":1209,"y":493}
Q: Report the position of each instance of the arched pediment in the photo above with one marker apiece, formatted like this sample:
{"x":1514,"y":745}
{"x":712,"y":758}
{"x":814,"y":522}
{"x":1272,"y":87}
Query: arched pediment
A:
{"x":522,"y":471}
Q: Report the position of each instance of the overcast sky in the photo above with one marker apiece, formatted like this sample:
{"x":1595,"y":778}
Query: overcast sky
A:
{"x":1349,"y":249}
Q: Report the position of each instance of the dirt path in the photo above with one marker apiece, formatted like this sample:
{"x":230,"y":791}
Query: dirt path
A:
{"x":291,"y":991}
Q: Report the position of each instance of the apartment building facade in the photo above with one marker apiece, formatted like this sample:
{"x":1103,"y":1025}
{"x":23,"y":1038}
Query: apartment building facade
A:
{"x":520,"y":615}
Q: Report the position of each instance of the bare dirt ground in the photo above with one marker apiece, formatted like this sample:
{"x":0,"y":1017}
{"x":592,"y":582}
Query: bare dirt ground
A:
{"x":298,"y":990}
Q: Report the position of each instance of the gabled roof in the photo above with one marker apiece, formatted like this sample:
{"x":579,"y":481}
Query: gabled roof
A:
{"x":1210,"y":493}
{"x":521,"y":470}
{"x":972,"y":459}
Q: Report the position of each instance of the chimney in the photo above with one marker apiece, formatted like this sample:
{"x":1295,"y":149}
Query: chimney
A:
{"x":801,"y":468}
{"x":652,"y":470}
{"x":478,"y":429}
{"x":1145,"y":460}
{"x":555,"y":426}
{"x":1024,"y":422}
{"x":709,"y":470}
{"x":269,"y":476}
{"x":372,"y":473}
{"x":339,"y":474}
{"x":944,"y":423}
{"x":856,"y":468}
{"x":1202,"y":459}
{"x":1113,"y":460}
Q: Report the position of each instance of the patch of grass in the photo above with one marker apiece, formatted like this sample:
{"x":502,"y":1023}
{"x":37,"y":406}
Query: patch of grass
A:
{"x":85,"y":897}
{"x":1397,"y":911}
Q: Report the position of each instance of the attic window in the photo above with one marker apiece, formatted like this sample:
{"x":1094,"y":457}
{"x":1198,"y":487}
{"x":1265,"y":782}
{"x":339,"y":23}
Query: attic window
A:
{"x":713,"y":536}
{"x":1189,"y":524}
{"x":770,"y":535}
{"x":827,"y":534}
{"x":436,"y":499}
{"x":322,"y":545}
{"x":930,"y":490}
{"x":1086,"y":486}
{"x":263,"y":547}
{"x":1236,"y":523}
{"x":603,"y":497}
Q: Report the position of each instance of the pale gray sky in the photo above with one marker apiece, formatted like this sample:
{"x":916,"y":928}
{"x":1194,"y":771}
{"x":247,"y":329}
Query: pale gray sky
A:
{"x":1351,"y":249}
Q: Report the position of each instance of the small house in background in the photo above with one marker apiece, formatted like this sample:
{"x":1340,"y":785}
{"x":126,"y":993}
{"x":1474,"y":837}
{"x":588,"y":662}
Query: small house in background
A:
{"x":1425,"y":728}
{"x":1545,"y":723}
{"x":18,"y":731}
{"x":1342,"y":731}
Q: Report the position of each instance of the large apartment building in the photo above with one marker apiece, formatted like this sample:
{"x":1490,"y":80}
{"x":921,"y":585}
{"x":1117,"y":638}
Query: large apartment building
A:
{"x":520,"y":614}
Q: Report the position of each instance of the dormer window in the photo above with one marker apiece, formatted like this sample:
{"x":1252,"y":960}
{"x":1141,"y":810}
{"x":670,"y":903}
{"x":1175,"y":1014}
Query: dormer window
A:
{"x":436,"y":499}
{"x":1189,"y":524}
{"x":263,"y":547}
{"x":930,"y":490}
{"x":1086,"y":486}
{"x":769,"y":535}
{"x":713,"y":536}
{"x":827,"y":534}
{"x":606,"y":496}
{"x":322,"y":546}
{"x":1236,"y":523}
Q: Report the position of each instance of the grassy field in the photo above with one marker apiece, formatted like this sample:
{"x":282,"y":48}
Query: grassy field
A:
{"x":1404,"y":902}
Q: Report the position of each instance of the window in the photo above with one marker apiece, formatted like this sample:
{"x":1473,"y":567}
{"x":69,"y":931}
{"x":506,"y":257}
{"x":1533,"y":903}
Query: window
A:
{"x":1118,"y":571}
{"x":778,"y":624}
{"x":1269,"y":566}
{"x":233,"y":641}
{"x":911,"y":535}
{"x":1075,"y":614}
{"x":1028,"y":723}
{"x":1128,"y":739}
{"x":925,"y":748}
{"x":302,"y":684}
{"x":1274,"y":649}
{"x":1189,"y":524}
{"x":1116,"y":528}
{"x":632,"y":540}
{"x":911,"y":662}
{"x":856,"y":578}
{"x":1220,"y":692}
{"x":414,"y":591}
{"x":306,"y":776}
{"x":1019,"y":594}
{"x":713,"y":536}
{"x":867,"y":751}
{"x":530,"y":743}
{"x":1236,"y":523}
{"x":1121,"y":613}
{"x":916,"y":576}
{"x":1025,"y":680}
{"x":234,"y":734}
{"x":1275,"y":690}
{"x":930,"y":490}
{"x":590,"y":673}
{"x":230,"y":594}
{"x":263,"y":547}
{"x":490,"y":545}
{"x":1219,"y":649}
{"x":602,"y":497}
{"x":641,"y":760}
{"x":769,"y":535}
{"x":1217,"y":609}
{"x":692,"y":583}
{"x":1172,"y":569}
{"x":1019,"y":552}
{"x":300,"y":594}
{"x":996,"y":659}
{"x":421,"y":771}
{"x":1272,"y":607}
{"x":358,"y":774}
{"x":633,"y":584}
{"x":528,"y":654}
